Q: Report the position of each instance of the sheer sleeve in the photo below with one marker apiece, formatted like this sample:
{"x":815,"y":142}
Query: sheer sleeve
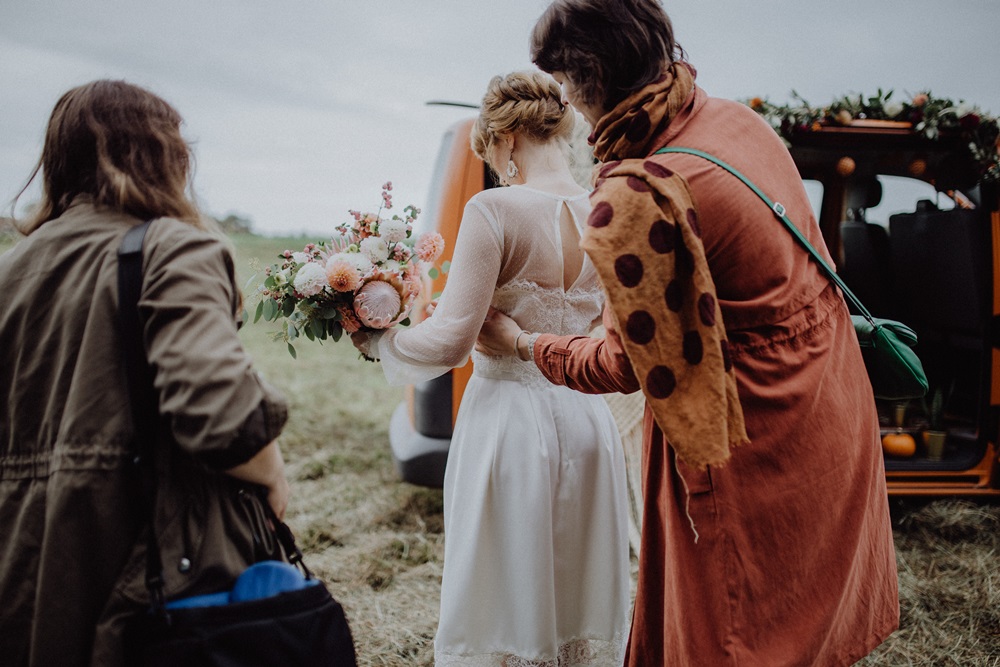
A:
{"x":445,"y":340}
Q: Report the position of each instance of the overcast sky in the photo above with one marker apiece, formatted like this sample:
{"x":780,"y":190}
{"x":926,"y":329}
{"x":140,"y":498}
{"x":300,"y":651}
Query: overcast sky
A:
{"x":300,"y":110}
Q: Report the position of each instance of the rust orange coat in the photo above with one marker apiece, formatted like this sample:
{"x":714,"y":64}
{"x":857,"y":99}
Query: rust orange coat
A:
{"x":793,"y":562}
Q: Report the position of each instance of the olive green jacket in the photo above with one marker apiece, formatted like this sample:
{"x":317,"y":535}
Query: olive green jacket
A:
{"x":71,"y":515}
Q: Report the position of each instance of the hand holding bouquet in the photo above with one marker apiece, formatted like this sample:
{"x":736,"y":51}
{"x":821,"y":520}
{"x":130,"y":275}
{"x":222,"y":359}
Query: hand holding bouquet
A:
{"x":367,"y":277}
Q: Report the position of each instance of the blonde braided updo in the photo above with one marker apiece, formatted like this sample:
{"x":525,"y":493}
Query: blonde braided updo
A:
{"x":525,"y":103}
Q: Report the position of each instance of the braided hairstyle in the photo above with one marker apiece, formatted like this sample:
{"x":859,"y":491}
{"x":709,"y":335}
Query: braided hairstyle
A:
{"x":525,"y":103}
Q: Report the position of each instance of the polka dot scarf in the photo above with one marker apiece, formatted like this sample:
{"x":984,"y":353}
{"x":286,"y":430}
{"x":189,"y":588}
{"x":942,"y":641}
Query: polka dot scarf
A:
{"x":644,"y":238}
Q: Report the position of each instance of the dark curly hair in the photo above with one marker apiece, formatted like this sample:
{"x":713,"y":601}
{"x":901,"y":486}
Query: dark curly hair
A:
{"x":607,"y":48}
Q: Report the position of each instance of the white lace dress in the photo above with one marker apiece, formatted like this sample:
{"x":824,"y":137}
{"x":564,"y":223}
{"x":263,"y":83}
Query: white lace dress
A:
{"x":536,"y":569}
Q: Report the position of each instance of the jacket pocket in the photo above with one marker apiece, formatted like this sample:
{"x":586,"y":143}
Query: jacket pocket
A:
{"x":206,"y":534}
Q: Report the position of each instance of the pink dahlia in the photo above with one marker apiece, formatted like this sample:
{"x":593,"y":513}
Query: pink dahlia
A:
{"x":343,"y":276}
{"x":429,"y":247}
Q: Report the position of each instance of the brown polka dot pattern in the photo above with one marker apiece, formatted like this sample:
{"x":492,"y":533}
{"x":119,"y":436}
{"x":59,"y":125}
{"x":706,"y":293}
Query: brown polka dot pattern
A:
{"x":656,"y":169}
{"x":637,"y":184}
{"x":649,"y":249}
{"x":608,"y":168}
{"x":600,"y":215}
{"x":661,"y":382}
{"x":693,"y":348}
{"x":685,"y":261}
{"x":629,"y":270}
{"x":639,"y":127}
{"x":675,"y":296}
{"x":706,"y":309}
{"x":692,"y":218}
{"x":640,"y":327}
{"x":662,"y":237}
{"x":727,"y":358}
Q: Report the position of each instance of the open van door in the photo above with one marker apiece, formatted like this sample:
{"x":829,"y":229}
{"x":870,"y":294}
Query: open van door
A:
{"x":916,"y":235}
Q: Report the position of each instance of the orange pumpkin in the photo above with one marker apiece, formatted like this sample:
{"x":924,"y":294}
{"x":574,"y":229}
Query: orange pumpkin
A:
{"x":899,"y":444}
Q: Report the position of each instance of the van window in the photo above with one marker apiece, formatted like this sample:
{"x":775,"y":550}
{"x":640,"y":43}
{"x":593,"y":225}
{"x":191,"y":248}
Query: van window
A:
{"x":814,"y":190}
{"x":900,"y":195}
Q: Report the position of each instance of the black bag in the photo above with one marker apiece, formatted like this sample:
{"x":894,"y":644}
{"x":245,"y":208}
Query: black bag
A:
{"x":298,"y":628}
{"x":295,"y":628}
{"x":894,"y":370}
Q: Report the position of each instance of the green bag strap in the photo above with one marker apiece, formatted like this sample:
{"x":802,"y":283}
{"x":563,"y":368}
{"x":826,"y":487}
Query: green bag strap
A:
{"x":779,"y":212}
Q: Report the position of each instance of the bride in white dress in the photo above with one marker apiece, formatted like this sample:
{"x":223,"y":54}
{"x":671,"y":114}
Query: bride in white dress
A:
{"x":536,"y":570}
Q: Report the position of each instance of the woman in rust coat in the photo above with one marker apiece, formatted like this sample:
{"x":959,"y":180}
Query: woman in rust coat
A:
{"x":766,"y":534}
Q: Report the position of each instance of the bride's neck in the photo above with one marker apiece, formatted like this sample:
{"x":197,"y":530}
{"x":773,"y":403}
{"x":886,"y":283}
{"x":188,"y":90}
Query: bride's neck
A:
{"x":543,"y":166}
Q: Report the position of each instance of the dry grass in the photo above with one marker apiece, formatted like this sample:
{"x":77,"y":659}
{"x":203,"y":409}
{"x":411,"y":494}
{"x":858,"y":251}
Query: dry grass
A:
{"x":948,"y":555}
{"x":379,"y":543}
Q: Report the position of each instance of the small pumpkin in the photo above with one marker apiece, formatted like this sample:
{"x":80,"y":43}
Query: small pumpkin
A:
{"x":899,"y":444}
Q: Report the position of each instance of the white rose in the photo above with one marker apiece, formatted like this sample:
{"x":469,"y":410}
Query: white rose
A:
{"x":376,"y":248}
{"x":391,"y":266}
{"x":300,"y":257}
{"x":964,"y":109}
{"x":893,"y":109}
{"x":393,"y":231}
{"x":310,"y":280}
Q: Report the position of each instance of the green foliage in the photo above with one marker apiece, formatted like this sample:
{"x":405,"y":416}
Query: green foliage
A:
{"x":932,"y":117}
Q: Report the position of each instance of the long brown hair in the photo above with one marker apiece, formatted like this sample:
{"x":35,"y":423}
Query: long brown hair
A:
{"x":607,"y":48}
{"x":119,"y":144}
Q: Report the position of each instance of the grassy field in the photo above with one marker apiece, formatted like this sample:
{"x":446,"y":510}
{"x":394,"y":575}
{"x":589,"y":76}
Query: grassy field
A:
{"x":379,"y":542}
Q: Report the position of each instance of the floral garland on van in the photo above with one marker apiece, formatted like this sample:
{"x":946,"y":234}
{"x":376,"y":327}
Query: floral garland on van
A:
{"x":929,"y":116}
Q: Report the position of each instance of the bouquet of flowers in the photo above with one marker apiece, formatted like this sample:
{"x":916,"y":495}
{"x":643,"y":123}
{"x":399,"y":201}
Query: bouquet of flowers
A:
{"x":366,"y":277}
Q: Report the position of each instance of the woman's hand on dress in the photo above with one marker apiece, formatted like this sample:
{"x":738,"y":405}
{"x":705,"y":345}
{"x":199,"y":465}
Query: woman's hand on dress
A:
{"x":498,"y":335}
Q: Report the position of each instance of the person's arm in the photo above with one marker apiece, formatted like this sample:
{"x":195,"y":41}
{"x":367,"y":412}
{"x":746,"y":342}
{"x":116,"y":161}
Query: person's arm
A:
{"x":267,"y":469}
{"x":585,"y":364}
{"x":445,"y":339}
{"x":216,"y":406}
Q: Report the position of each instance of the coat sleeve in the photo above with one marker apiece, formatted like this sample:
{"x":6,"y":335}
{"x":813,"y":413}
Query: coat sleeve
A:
{"x":216,"y":406}
{"x":588,"y":365}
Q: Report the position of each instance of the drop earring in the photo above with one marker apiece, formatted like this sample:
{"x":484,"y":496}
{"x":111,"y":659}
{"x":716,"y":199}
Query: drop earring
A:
{"x":511,"y":170}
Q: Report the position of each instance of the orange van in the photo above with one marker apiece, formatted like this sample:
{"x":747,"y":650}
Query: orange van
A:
{"x":913,"y":234}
